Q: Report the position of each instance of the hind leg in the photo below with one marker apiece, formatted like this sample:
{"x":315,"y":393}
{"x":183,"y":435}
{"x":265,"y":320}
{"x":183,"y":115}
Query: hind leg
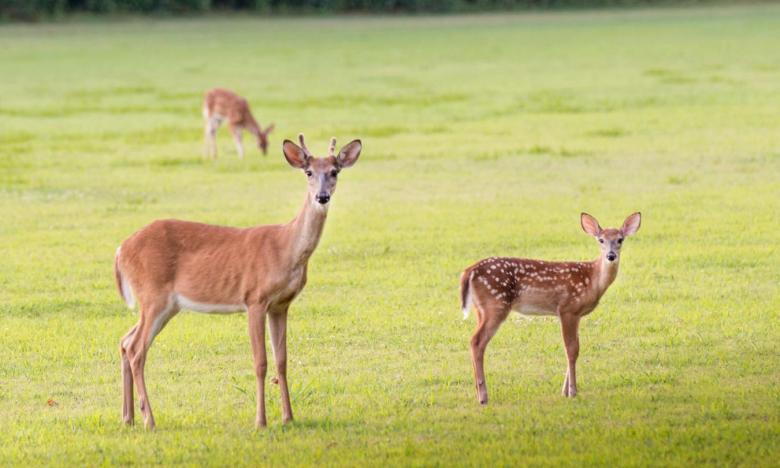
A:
{"x":153,"y":319}
{"x":128,"y":414}
{"x":490,"y":318}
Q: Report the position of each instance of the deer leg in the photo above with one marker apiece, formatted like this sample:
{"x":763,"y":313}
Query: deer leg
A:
{"x":489,"y":322}
{"x":128,"y":403}
{"x":136,"y":354}
{"x":277,"y":324}
{"x":571,"y":342}
{"x":207,"y":138}
{"x":236,"y":130}
{"x":153,"y":319}
{"x":212,"y":124}
{"x":256,"y":315}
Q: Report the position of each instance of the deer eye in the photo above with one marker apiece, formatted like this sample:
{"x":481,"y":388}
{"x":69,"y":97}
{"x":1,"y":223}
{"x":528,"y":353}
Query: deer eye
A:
{"x":308,"y":173}
{"x":601,"y":241}
{"x":620,"y":241}
{"x":334,"y":173}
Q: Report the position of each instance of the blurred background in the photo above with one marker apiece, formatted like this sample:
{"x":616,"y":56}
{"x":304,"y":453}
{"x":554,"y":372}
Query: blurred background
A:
{"x":43,"y":9}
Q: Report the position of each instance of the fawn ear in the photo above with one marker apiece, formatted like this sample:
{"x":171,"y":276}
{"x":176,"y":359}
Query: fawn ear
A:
{"x":349,"y":153}
{"x":294,"y":155}
{"x":269,"y":129}
{"x":589,"y":224}
{"x":631,"y":224}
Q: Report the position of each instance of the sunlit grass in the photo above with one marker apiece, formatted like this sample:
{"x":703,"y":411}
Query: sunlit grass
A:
{"x":483,"y":135}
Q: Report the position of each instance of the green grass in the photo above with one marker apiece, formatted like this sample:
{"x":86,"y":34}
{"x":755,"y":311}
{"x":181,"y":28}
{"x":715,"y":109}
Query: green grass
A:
{"x":483,"y":135}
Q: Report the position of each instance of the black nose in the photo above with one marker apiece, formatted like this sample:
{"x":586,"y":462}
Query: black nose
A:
{"x":323,"y":198}
{"x":611,"y":256}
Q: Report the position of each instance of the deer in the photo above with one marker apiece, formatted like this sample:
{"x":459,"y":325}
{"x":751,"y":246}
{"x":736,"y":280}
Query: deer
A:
{"x":171,"y":265}
{"x":496,"y":286}
{"x":221,"y":104}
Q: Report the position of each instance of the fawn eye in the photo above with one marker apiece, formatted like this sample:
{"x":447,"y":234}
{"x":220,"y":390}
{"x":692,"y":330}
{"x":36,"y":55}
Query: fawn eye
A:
{"x":308,"y":173}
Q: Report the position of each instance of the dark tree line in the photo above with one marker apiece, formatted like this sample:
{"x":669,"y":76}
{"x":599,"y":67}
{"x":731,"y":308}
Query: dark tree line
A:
{"x":43,"y":9}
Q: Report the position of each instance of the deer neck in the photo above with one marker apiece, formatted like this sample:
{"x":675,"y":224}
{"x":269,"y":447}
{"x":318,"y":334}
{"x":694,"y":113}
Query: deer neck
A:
{"x":252,"y":126}
{"x":254,"y":130}
{"x":604,"y":273}
{"x":306,"y":230}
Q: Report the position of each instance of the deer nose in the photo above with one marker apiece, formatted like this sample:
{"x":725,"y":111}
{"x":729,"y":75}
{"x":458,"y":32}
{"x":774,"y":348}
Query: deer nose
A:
{"x":323,"y":198}
{"x":611,"y":256}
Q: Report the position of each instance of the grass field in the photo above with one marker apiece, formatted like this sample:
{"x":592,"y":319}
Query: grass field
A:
{"x":483,"y":135}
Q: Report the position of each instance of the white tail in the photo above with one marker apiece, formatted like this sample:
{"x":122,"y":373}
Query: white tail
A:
{"x":174,"y":264}
{"x":221,"y":104}
{"x":125,"y":291}
{"x":569,"y":290}
{"x":465,"y":293}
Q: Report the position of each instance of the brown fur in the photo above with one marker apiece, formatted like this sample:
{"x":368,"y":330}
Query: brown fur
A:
{"x":220,"y":104}
{"x":569,"y":290}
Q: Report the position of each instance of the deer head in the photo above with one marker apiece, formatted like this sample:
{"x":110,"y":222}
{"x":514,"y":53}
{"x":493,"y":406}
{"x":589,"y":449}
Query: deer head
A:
{"x":610,"y":239}
{"x":262,"y":138}
{"x":322,"y":173}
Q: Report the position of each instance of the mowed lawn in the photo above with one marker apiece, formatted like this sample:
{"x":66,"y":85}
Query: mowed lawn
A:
{"x":483,"y":135}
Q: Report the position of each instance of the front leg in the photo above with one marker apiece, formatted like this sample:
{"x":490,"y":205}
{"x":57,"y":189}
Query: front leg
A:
{"x":236,"y":131}
{"x":256,"y":315}
{"x":571,"y":342}
{"x":277,"y":324}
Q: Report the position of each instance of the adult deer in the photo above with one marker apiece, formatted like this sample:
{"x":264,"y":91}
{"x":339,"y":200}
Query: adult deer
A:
{"x":172,"y":264}
{"x":570,"y":290}
{"x":220,"y":104}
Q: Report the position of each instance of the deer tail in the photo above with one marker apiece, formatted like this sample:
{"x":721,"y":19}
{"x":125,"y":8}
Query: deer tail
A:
{"x":125,"y":292}
{"x":465,"y":292}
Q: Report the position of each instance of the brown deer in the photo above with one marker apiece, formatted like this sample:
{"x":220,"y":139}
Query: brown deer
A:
{"x":570,"y":290}
{"x":220,"y":104}
{"x":172,"y":264}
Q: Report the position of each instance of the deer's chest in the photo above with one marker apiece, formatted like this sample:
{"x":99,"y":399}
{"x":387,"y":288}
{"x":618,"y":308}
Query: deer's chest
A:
{"x":290,"y":286}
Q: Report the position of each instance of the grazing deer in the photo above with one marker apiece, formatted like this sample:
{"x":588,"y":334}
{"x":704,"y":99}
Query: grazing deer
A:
{"x":221,"y":104}
{"x":570,"y":290}
{"x":172,"y":264}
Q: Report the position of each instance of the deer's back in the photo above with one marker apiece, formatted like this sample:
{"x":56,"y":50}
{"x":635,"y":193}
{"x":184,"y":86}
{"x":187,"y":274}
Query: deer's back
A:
{"x":204,"y":262}
{"x":226,"y":104}
{"x":531,"y":287}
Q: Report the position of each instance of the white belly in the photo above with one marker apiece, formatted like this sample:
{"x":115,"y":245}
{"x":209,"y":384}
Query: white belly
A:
{"x":206,"y":308}
{"x":531,"y":309}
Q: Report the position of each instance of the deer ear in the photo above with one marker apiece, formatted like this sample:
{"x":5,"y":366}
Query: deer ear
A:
{"x":349,"y":153}
{"x":589,"y":224}
{"x":631,"y":224}
{"x":294,"y":155}
{"x":269,"y":129}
